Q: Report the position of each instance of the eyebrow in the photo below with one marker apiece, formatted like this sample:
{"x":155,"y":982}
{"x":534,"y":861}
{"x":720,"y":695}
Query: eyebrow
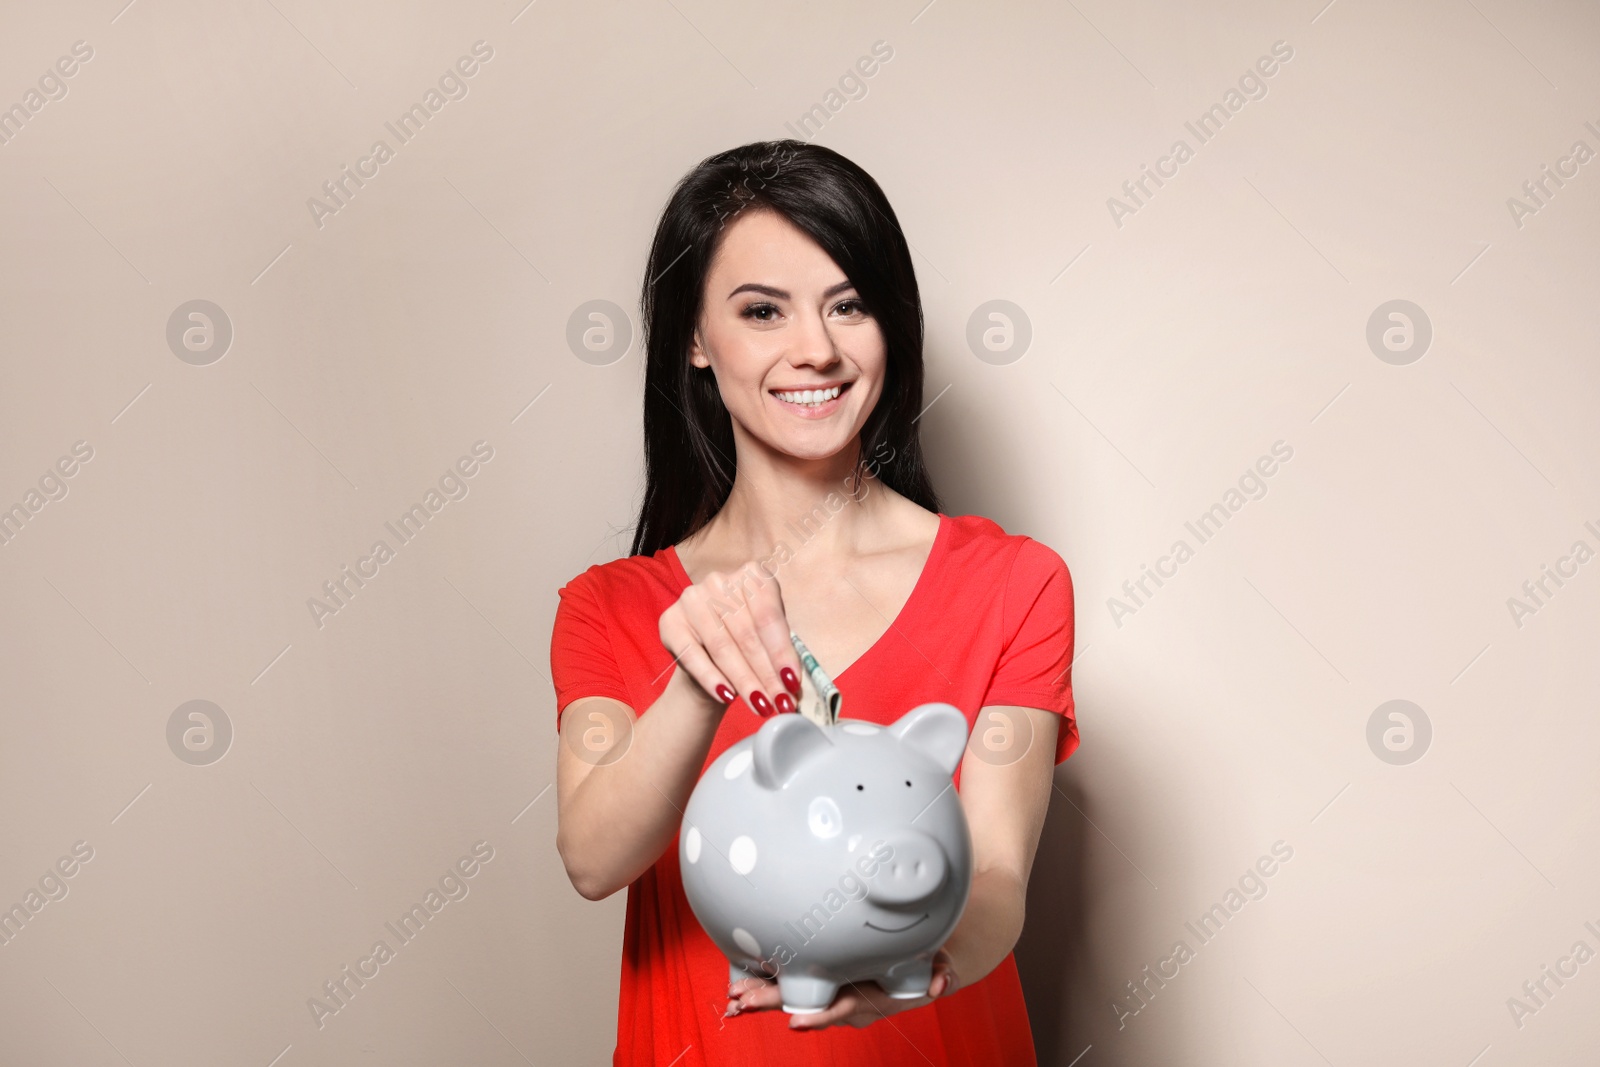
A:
{"x":783,"y":294}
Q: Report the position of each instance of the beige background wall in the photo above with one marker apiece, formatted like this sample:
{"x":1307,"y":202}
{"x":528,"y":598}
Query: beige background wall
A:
{"x":1227,"y":712}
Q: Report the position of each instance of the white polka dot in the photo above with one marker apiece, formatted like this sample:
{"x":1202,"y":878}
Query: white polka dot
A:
{"x":738,"y":764}
{"x":742,"y":855}
{"x":691,"y":844}
{"x":859,"y":728}
{"x":743,"y":939}
{"x":823,"y":817}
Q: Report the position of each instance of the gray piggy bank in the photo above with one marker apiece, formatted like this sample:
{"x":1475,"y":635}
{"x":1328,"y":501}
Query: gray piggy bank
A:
{"x":823,"y":856}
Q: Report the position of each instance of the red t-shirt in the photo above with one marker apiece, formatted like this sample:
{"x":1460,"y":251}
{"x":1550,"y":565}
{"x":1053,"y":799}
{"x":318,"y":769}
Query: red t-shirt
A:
{"x":989,"y":622}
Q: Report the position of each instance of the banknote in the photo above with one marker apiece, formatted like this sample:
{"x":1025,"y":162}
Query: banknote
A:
{"x":820,"y":699}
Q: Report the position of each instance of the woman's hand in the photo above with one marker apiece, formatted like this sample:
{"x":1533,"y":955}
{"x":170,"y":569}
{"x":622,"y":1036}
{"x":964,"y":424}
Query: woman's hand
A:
{"x":729,"y":631}
{"x":857,"y":1004}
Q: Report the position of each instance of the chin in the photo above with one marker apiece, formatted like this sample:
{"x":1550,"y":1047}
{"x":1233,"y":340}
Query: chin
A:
{"x":809,"y":450}
{"x":804,"y":439}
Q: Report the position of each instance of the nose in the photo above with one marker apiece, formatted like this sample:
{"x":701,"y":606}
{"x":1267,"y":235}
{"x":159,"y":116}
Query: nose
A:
{"x":814,"y":347}
{"x":915,"y":872}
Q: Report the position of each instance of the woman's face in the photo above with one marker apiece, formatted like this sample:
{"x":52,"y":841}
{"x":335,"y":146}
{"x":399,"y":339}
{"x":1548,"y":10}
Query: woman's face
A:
{"x":799,"y":361}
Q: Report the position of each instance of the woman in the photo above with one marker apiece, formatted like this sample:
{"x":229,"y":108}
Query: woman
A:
{"x":785,"y":492}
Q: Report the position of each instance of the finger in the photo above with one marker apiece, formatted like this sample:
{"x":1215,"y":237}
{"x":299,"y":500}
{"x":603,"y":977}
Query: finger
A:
{"x":746,"y":985}
{"x":764,"y":997}
{"x":679,"y":639}
{"x":772,"y":627}
{"x":757,"y":607}
{"x":844,"y":1004}
{"x":943,"y":967}
{"x":721,"y":647}
{"x":723,"y":624}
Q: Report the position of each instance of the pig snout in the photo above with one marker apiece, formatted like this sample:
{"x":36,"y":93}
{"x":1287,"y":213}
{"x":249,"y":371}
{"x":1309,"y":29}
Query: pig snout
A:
{"x":915,"y":872}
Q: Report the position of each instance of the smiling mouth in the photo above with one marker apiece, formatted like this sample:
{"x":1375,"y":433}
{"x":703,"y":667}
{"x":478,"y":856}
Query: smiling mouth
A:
{"x":897,"y":929}
{"x":812,"y":401}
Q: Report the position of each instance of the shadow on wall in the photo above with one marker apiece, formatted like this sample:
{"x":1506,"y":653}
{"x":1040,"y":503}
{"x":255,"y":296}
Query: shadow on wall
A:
{"x":1054,"y":952}
{"x":991,"y":474}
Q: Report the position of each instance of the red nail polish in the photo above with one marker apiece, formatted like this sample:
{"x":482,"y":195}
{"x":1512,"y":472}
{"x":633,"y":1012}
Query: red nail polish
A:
{"x":725,"y":694}
{"x":791,"y":681}
{"x":785,"y":704}
{"x":762,"y":706}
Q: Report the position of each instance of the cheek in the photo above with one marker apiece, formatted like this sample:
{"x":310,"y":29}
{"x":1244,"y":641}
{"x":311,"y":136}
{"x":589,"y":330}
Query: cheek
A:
{"x":871,"y":355}
{"x":873,"y":370}
{"x":870,"y":399}
{"x":739,"y":365}
{"x":738,"y":397}
{"x":739,"y":382}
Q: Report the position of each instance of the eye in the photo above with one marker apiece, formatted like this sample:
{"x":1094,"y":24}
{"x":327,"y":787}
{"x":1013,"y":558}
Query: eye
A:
{"x":760,"y":312}
{"x":855,"y":306}
{"x":908,"y":783}
{"x":861,"y":787}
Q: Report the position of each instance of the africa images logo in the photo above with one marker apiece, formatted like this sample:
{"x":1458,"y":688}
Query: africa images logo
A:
{"x":1210,"y":122}
{"x":453,"y":885}
{"x":452,"y":85}
{"x":453,"y":485}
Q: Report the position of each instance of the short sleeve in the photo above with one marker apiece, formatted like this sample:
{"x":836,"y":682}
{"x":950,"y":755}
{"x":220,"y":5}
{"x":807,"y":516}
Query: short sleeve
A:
{"x":582,"y":660}
{"x":1035,"y":668}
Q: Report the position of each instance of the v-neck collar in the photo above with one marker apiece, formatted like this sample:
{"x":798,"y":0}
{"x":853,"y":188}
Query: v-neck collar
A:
{"x":918,"y":591}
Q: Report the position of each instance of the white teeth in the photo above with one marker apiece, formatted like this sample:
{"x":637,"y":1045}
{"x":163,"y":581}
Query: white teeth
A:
{"x":809,"y":396}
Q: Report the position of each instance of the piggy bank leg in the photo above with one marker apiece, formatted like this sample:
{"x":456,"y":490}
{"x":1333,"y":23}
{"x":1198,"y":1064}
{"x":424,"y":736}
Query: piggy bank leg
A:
{"x":908,"y":980}
{"x":805,"y":995}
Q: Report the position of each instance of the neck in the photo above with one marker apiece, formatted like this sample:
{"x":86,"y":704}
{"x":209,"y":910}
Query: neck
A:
{"x":822,"y":504}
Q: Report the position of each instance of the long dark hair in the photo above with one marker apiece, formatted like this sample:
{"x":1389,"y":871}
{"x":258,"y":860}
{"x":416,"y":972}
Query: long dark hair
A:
{"x":688,"y":433}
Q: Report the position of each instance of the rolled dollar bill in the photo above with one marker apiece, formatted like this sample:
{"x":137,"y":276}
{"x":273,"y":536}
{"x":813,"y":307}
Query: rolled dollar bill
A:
{"x":825,"y":700}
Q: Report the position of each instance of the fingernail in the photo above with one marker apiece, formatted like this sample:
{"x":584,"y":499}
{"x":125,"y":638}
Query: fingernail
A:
{"x":762,"y":706}
{"x":725,"y":694}
{"x":791,"y":681}
{"x":785,"y":704}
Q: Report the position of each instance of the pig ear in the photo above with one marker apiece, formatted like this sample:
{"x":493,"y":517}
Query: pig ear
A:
{"x":782,"y":745}
{"x":938,"y":731}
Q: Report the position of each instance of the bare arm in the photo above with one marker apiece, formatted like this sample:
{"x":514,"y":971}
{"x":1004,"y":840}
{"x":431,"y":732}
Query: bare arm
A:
{"x":622,"y":780}
{"x":617,"y":812}
{"x":1005,"y":807}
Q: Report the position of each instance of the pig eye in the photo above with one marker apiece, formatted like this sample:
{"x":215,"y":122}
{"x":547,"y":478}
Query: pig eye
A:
{"x":908,"y":783}
{"x":860,"y":787}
